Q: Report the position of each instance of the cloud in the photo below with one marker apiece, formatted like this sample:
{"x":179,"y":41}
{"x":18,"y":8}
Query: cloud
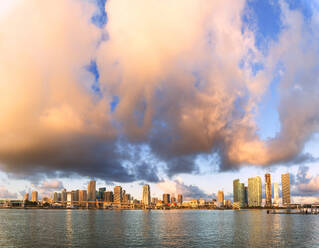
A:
{"x":304,"y":184}
{"x":47,"y":187}
{"x":189,"y":192}
{"x":5,"y":194}
{"x":181,"y":72}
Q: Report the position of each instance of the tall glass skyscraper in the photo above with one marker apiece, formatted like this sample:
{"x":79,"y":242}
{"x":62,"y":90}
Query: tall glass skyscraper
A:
{"x":254,"y":192}
{"x":236,"y":183}
{"x":92,"y":191}
{"x":268,"y":189}
{"x":285,"y":184}
{"x":146,"y":195}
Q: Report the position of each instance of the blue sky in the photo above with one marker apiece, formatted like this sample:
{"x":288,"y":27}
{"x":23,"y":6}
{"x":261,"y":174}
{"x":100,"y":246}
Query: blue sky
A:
{"x":265,"y":20}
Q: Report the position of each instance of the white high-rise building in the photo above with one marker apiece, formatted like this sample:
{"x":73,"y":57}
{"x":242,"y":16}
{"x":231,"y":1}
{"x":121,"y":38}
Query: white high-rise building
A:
{"x":276,"y":194}
{"x":146,"y":195}
{"x":34,"y":196}
{"x":285,"y":184}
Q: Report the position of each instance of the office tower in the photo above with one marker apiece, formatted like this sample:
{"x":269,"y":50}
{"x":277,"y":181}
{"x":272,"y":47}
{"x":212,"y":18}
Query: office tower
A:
{"x":246,"y":196}
{"x":146,"y":195}
{"x":26,"y":196}
{"x":63,"y":195}
{"x":235,"y":190}
{"x":180,"y":198}
{"x":34,"y":196}
{"x":166,"y":198}
{"x":241,"y":194}
{"x":285,"y":184}
{"x":92,"y":191}
{"x":268,"y":190}
{"x":77,"y":195}
{"x":221,"y":196}
{"x":101,"y":193}
{"x":118,"y":194}
{"x":127,"y":198}
{"x":254,"y":192}
{"x":73,"y":195}
{"x":83,"y":197}
{"x":276,"y":194}
{"x":69,"y":199}
{"x":108,"y":196}
{"x":55,"y":197}
{"x":59,"y":196}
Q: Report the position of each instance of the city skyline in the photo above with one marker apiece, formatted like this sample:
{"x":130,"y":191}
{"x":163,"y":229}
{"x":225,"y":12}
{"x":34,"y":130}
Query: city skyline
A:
{"x":184,"y":116}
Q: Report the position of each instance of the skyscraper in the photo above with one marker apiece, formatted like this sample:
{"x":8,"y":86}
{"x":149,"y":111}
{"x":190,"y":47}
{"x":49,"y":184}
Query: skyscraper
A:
{"x":221,"y":196}
{"x":235,"y":190}
{"x":268,"y":189}
{"x":254,"y":192}
{"x":34,"y":196}
{"x":63,"y":195}
{"x":180,"y":198}
{"x":26,"y":196}
{"x":118,"y":194}
{"x":166,"y":198}
{"x":55,"y":197}
{"x":276,"y":195}
{"x":101,"y":193}
{"x":146,"y":195}
{"x":108,"y":196}
{"x":241,"y":194}
{"x":285,"y":184}
{"x":83,"y":197}
{"x":92,"y":191}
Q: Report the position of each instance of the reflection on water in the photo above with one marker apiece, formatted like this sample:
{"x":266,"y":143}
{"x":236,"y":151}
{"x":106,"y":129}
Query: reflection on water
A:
{"x":134,"y":228}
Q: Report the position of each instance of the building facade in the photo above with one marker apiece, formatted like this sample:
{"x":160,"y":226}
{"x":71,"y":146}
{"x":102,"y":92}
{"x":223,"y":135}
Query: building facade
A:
{"x":118,"y":194}
{"x":180,"y":199}
{"x":63,"y":195}
{"x":146,"y":195}
{"x":254,"y":192}
{"x":268,"y":196}
{"x":26,"y":196}
{"x":236,"y":183}
{"x":221,"y":196}
{"x":276,"y":195}
{"x":285,"y":184}
{"x":108,"y":196}
{"x":166,"y":198}
{"x":92,"y":191}
{"x":34,"y":196}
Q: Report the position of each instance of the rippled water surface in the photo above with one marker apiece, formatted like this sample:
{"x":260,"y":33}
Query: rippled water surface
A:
{"x":174,"y":228}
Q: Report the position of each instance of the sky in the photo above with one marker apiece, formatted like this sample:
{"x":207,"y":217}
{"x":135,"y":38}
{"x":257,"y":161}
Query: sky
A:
{"x":184,"y":95}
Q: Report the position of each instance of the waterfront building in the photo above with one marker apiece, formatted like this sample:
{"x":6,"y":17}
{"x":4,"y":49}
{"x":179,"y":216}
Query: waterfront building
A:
{"x":154,"y":200}
{"x":101,"y":193}
{"x":268,"y":190}
{"x":276,"y":194}
{"x":180,"y":199}
{"x":59,"y":196}
{"x":55,"y":197}
{"x":34,"y":196}
{"x":285,"y":184}
{"x":246,"y":196}
{"x":254,"y":192}
{"x":166,"y":198}
{"x":83,"y":197}
{"x":69,"y":199}
{"x":221,"y":196}
{"x":173,"y":199}
{"x":118,"y":194}
{"x":202,"y":202}
{"x":241,"y":194}
{"x":92,"y":191}
{"x":108,"y":196}
{"x":146,"y":198}
{"x":127,"y":198}
{"x":235,"y":190}
{"x":26,"y":196}
{"x":63,"y":195}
